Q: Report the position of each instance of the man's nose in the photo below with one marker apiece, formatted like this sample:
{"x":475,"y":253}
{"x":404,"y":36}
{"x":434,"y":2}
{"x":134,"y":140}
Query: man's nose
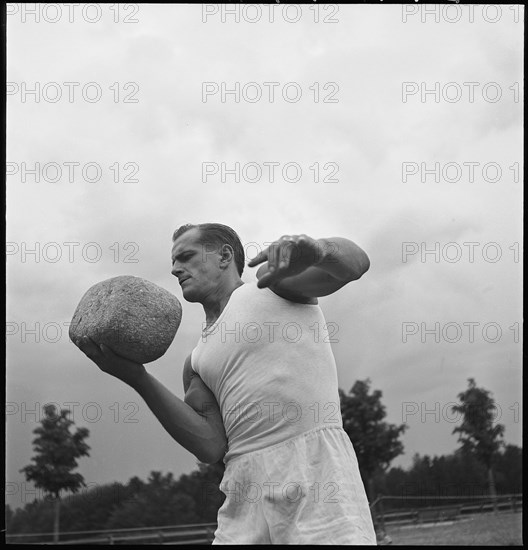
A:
{"x":176,"y":269}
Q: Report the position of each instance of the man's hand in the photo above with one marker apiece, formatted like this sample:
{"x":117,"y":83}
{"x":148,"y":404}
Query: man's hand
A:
{"x":288,"y":256}
{"x":301,"y":269}
{"x":111,"y":363}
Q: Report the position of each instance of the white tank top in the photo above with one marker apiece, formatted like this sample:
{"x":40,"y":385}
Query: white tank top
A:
{"x":270,"y":365}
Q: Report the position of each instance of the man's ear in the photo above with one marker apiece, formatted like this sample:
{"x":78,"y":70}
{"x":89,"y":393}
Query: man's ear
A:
{"x":227,"y":255}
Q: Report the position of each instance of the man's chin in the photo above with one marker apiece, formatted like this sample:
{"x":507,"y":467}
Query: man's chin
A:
{"x":189,"y":296}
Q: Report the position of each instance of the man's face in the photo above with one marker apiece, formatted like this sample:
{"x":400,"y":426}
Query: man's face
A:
{"x":196,"y":265}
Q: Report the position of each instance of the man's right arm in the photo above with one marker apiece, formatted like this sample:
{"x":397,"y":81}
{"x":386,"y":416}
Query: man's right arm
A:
{"x":195,"y":423}
{"x":202,"y":400}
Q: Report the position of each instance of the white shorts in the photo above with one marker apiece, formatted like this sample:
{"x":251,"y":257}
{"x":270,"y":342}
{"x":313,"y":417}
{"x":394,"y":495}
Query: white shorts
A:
{"x":306,"y":490}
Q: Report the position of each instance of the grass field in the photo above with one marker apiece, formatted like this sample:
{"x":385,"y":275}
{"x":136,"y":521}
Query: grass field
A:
{"x":502,"y":529}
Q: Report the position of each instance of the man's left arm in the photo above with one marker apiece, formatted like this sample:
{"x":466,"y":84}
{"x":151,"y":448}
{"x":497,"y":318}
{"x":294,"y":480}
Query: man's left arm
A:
{"x":299,"y":267}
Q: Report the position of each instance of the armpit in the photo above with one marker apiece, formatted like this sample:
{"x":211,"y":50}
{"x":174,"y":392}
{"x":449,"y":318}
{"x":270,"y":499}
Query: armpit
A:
{"x":188,"y":373}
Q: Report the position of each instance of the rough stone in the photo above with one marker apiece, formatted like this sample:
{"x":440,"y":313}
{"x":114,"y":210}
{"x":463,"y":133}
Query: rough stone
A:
{"x":134,"y":317}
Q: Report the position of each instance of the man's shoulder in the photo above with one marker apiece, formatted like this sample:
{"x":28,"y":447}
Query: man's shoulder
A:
{"x":275,"y":292}
{"x":296,"y":298}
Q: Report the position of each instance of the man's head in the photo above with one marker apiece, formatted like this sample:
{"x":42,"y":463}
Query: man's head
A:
{"x":205,"y":258}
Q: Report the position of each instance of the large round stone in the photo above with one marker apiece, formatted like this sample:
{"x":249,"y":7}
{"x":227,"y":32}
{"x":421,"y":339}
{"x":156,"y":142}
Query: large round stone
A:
{"x":134,"y":317}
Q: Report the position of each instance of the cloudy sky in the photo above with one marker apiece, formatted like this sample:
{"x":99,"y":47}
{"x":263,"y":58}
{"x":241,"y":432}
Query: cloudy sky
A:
{"x":398,"y":129}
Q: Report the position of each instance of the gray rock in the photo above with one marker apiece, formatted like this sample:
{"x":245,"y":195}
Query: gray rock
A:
{"x":134,"y":317}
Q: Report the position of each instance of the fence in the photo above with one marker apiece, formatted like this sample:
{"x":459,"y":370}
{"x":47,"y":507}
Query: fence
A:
{"x":200,"y":533}
{"x":203,"y":533}
{"x":453,"y":508}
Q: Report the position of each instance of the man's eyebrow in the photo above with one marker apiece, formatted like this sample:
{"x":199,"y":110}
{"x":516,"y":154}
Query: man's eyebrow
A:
{"x":182,"y":253}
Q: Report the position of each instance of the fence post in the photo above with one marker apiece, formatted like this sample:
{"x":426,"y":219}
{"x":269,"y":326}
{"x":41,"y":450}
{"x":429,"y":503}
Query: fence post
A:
{"x":380,"y":505}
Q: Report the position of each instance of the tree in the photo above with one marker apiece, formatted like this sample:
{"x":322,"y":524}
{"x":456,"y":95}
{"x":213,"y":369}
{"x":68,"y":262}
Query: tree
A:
{"x":376,"y":443}
{"x":8,"y":517}
{"x":155,"y":503}
{"x":203,"y":486}
{"x":477,"y":433}
{"x":508,"y":466}
{"x":57,"y":453}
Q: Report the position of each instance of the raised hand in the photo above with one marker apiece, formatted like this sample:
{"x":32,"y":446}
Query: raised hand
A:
{"x":288,"y":256}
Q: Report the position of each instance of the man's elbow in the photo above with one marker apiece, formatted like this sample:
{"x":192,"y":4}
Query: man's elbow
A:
{"x":365,"y":265}
{"x":213,"y":453}
{"x":360,"y":267}
{"x":209,"y":457}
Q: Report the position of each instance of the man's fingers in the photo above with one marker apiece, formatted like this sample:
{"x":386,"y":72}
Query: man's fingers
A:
{"x":110,"y":354}
{"x":89,"y":348}
{"x":106,"y":351}
{"x":274,"y":254}
{"x":265,"y":280}
{"x":285,"y":256}
{"x":259,"y":258}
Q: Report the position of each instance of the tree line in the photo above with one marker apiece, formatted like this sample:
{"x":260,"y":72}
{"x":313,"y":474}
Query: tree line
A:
{"x":482,"y":465}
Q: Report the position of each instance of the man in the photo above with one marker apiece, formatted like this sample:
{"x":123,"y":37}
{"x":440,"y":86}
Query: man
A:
{"x":261,"y":388}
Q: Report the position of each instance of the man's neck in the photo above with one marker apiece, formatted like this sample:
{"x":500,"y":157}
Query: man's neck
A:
{"x":213,"y":308}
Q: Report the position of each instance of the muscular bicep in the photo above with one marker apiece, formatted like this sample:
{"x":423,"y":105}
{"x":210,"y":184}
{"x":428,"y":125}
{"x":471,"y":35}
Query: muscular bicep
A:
{"x":202,"y":400}
{"x":199,"y":397}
